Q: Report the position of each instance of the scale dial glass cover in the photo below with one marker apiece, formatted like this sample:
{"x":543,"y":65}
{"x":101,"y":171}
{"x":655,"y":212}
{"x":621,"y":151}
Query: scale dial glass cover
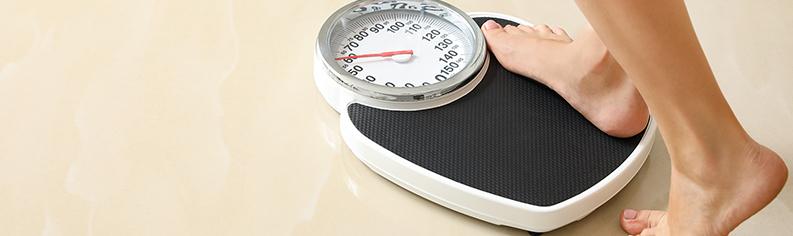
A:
{"x":402,"y":50}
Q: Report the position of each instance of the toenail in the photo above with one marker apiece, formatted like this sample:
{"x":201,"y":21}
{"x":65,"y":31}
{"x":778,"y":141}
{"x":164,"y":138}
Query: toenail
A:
{"x":629,"y":214}
{"x":491,"y":24}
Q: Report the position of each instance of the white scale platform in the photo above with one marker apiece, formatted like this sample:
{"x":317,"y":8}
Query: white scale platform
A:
{"x":510,"y":151}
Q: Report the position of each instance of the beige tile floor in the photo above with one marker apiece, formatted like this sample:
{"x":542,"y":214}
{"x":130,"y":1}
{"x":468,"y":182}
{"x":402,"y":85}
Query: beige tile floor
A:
{"x":191,"y":117}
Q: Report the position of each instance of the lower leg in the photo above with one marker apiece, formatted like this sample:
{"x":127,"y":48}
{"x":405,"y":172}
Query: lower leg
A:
{"x":720,"y":176}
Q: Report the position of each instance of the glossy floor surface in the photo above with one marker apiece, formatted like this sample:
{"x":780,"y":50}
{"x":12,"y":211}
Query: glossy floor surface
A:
{"x":185,"y":117}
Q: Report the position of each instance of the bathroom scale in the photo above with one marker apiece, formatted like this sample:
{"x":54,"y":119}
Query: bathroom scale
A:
{"x":423,"y":104}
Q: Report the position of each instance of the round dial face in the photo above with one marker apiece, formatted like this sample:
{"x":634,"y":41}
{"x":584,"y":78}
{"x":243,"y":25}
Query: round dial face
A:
{"x":397,"y":44}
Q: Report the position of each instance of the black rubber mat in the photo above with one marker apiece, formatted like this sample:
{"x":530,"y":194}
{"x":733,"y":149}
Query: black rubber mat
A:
{"x":510,"y":136}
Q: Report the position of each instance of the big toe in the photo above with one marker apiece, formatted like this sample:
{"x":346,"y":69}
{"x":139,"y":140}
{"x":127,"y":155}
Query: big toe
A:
{"x":490,"y":25}
{"x":494,"y":33}
{"x":634,"y":222}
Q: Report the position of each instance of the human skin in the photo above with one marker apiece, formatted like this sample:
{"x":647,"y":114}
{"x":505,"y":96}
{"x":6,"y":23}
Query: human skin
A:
{"x":720,"y":175}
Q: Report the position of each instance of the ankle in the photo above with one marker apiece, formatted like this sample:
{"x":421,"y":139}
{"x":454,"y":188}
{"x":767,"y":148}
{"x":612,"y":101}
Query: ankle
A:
{"x":709,"y":163}
{"x":593,"y":53}
{"x":598,"y":66}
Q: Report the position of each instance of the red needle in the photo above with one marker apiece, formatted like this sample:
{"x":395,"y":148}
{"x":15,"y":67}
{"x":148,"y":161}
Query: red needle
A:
{"x":383,"y":54}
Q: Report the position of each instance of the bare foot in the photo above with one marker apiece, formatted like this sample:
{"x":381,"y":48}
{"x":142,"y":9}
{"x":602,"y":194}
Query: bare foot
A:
{"x":714,"y":200}
{"x":710,"y":194}
{"x":581,"y":71}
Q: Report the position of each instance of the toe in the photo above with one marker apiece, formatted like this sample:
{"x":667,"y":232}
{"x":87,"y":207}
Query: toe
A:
{"x":552,"y":32}
{"x":490,"y":25}
{"x":526,"y":28}
{"x":638,"y":222}
{"x":497,"y":38}
{"x":559,"y":31}
{"x":494,"y":33}
{"x":511,"y":29}
{"x":543,"y":29}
